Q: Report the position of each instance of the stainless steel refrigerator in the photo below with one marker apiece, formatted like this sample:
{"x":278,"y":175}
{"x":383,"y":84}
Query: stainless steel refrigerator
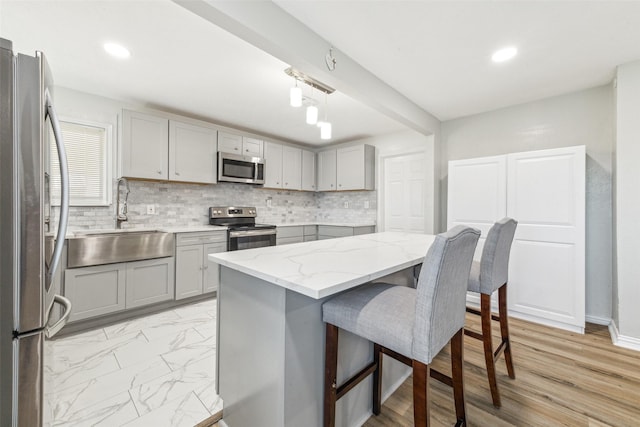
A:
{"x":31,"y":246}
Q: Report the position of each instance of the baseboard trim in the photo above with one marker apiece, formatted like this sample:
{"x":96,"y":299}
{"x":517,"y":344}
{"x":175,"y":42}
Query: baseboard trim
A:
{"x":598,"y":320}
{"x":630,"y":343}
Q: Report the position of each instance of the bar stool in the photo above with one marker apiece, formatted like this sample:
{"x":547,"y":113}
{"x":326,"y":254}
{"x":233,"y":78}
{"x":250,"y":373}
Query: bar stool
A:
{"x":409,"y":324}
{"x":487,"y":276}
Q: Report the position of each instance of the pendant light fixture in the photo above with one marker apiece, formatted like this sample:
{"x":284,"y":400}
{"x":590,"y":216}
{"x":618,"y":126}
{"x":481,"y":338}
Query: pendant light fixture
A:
{"x":295,"y":96}
{"x":296,"y":100}
{"x":312,"y":114}
{"x":312,"y":110}
{"x":325,"y":126}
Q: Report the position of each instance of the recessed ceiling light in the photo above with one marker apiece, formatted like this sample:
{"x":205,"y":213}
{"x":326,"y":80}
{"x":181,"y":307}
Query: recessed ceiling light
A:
{"x":117,"y":50}
{"x":504,"y":54}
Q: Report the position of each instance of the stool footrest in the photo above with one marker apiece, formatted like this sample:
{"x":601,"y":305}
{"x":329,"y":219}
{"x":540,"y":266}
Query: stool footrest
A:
{"x":353,"y":381}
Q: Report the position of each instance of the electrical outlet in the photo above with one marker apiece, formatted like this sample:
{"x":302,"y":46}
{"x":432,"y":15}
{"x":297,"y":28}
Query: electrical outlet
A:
{"x":269,"y":202}
{"x":366,"y":204}
{"x":151,"y":209}
{"x":346,"y":205}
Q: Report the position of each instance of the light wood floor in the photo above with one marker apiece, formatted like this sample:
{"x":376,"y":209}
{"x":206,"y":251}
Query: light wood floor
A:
{"x":562,"y":379}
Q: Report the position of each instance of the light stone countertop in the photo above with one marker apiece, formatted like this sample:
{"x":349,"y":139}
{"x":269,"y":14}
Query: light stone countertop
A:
{"x":322,"y":268}
{"x":74,"y":234}
{"x":332,"y":224}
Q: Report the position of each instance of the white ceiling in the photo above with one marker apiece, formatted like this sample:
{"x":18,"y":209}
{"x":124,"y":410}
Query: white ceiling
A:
{"x":179,"y":62}
{"x":435,"y":53}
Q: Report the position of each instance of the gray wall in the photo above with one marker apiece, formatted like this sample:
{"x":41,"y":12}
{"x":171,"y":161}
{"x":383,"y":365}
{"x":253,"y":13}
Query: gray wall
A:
{"x":580,"y":118}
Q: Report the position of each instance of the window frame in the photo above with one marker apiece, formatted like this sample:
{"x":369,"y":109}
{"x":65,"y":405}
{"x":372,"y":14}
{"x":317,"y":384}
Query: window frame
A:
{"x":108,"y":167}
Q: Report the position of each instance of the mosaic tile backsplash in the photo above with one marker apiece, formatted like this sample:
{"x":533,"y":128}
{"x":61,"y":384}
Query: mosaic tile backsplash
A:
{"x":187,"y":204}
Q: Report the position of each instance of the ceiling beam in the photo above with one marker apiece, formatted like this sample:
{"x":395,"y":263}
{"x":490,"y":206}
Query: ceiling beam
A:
{"x":268,"y":27}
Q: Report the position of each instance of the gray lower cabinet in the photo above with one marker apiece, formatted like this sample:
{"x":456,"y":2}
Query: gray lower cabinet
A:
{"x":310,"y":233}
{"x":95,"y":291}
{"x":333,"y":231}
{"x":149,"y":282}
{"x":289,"y":234}
{"x":195,"y":275}
{"x":104,"y":289}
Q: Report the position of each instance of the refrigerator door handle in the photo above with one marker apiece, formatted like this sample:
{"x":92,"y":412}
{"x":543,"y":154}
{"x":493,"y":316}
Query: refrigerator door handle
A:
{"x":64,"y":191}
{"x":52,"y":330}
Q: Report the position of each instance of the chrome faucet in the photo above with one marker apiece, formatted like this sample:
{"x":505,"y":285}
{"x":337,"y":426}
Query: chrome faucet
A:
{"x":121,"y":215}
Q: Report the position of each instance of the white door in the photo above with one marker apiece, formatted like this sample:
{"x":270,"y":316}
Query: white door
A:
{"x":546,"y":194}
{"x":477,"y":194}
{"x":404,"y":193}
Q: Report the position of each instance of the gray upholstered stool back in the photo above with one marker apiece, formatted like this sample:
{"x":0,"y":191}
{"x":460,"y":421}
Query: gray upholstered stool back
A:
{"x":494,"y":263}
{"x":441,"y":291}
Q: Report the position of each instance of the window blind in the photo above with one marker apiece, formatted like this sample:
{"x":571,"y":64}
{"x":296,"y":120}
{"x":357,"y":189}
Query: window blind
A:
{"x":87,"y":155}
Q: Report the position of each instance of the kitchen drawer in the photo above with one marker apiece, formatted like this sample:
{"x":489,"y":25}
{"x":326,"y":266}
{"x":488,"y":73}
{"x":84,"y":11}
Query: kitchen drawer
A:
{"x":364,"y":230}
{"x":205,"y":237}
{"x":289,"y":231}
{"x":334,"y":231}
{"x":288,"y":240}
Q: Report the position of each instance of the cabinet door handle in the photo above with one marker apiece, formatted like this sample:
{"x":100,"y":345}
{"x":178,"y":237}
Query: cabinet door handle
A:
{"x":235,"y":148}
{"x":177,"y":173}
{"x":159,"y":172}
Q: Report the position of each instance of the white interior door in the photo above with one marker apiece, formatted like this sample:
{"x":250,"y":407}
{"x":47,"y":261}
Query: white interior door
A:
{"x":546,"y":194}
{"x":405,"y":191}
{"x":477,"y":194}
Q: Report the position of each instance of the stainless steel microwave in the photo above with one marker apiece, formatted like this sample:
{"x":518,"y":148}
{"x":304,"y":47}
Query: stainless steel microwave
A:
{"x":235,"y":168}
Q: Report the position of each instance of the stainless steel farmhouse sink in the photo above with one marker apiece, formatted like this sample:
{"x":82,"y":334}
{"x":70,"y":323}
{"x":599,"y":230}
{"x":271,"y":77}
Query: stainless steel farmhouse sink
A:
{"x":85,"y":249}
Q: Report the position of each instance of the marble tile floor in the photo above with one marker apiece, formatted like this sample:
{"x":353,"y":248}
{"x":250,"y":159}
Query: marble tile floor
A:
{"x":156,"y":371}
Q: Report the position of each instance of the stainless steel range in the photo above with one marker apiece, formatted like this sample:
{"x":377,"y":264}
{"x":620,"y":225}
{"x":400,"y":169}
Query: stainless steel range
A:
{"x":243,"y":231}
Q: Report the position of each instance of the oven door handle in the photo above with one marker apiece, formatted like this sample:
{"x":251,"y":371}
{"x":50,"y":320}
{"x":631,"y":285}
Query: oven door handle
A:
{"x":251,"y":233}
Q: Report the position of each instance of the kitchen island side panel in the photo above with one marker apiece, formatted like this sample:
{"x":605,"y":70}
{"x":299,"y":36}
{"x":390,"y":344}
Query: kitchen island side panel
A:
{"x":251,"y":350}
{"x":271,"y":358}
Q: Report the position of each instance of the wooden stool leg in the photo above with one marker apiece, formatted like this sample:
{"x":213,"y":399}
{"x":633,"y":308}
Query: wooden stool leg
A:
{"x":330,"y":374}
{"x":504,"y":329}
{"x":420,"y":394}
{"x":377,"y":379}
{"x":457,"y":359}
{"x":485,"y":315}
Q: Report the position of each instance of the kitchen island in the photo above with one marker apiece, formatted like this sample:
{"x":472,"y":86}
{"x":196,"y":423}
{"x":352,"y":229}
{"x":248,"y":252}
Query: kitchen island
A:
{"x":271,"y":335}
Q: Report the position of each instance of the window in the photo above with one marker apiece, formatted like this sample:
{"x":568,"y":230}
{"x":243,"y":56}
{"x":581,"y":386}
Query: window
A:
{"x":88,"y":147}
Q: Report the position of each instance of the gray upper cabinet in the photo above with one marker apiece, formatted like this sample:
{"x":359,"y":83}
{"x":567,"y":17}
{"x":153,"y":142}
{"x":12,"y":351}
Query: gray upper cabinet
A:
{"x":242,"y":145}
{"x":192,"y":153}
{"x":154,"y":147}
{"x":355,"y":168}
{"x":229,"y":143}
{"x":145,"y":146}
{"x":308,"y":170}
{"x":327,"y":170}
{"x":291,"y":168}
{"x":273,"y":165}
{"x":252,"y":147}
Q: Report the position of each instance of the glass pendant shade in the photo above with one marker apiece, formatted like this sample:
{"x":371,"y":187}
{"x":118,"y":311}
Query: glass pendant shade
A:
{"x":295,"y":97}
{"x":312,"y":114}
{"x":325,"y":130}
